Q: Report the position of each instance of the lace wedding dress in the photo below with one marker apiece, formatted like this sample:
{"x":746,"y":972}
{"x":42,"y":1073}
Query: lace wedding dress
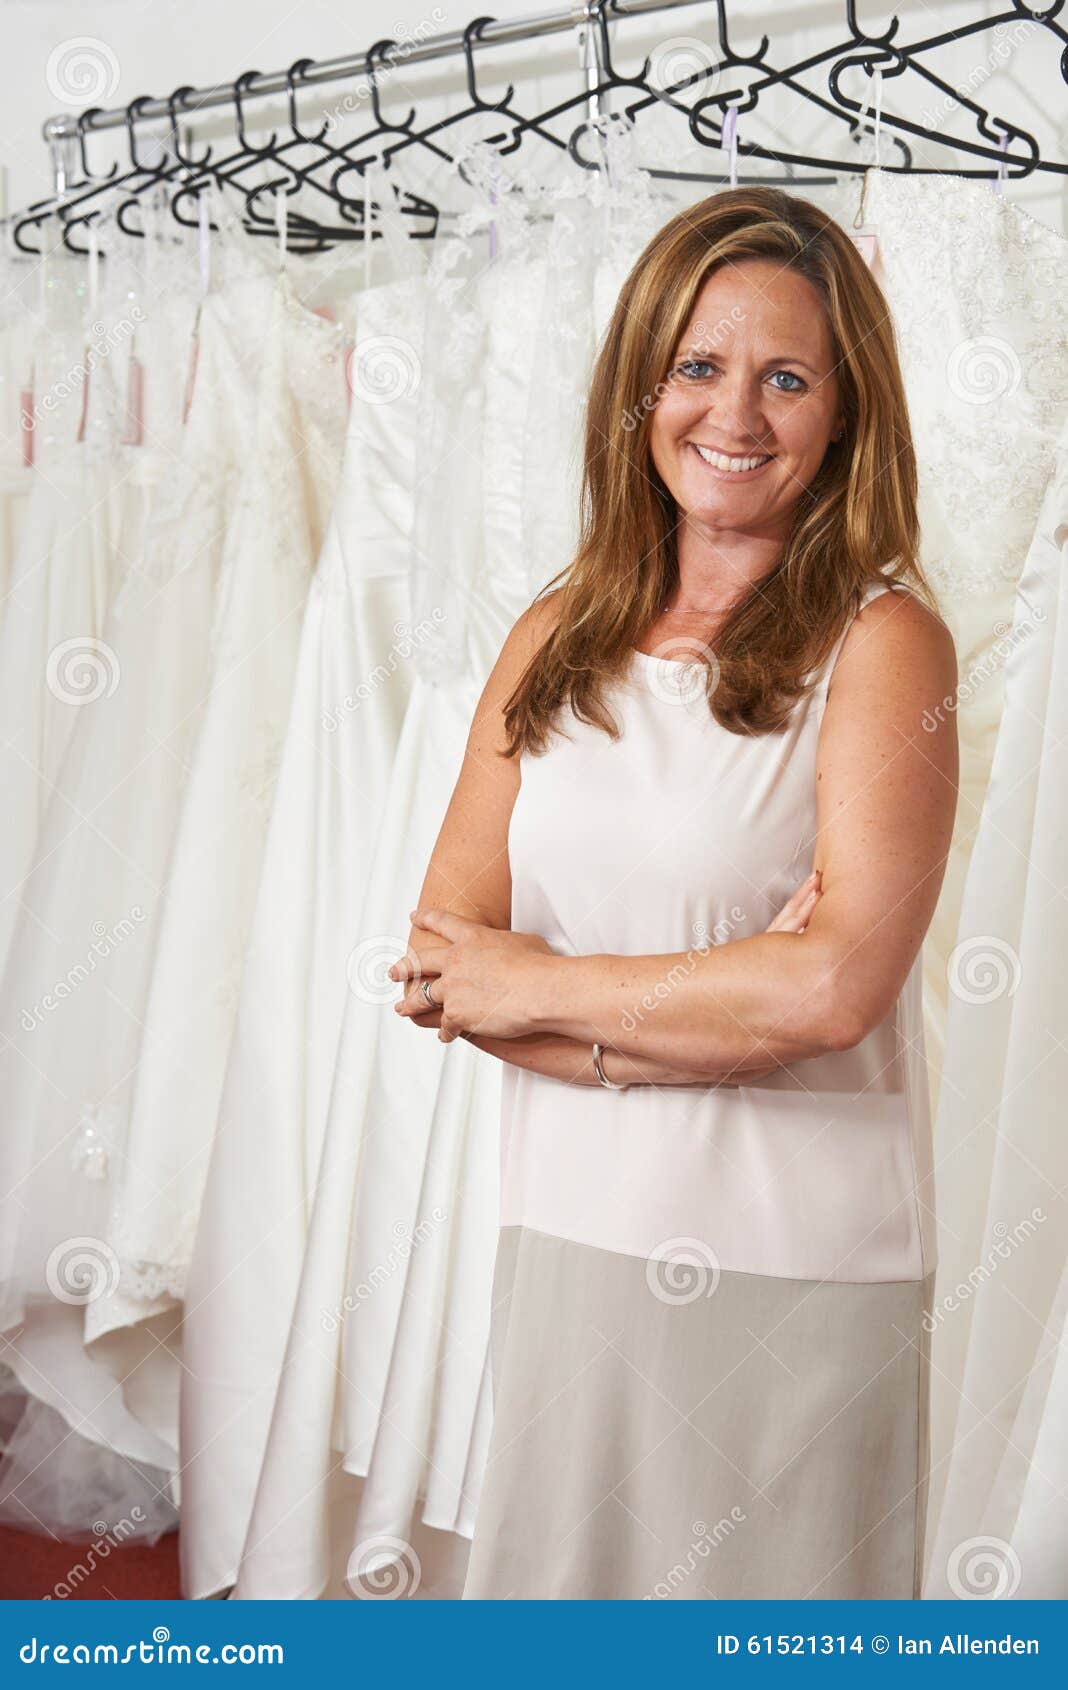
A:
{"x":74,"y":994}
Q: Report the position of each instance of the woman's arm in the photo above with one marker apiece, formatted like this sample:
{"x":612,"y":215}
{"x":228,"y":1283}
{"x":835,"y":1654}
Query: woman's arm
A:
{"x":886,"y":797}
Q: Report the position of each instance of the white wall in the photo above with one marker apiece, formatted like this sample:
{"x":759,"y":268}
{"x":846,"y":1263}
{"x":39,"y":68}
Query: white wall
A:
{"x":151,"y":46}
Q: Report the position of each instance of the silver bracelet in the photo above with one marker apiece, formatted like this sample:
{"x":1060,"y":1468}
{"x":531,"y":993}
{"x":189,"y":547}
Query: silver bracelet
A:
{"x":613,"y":1085}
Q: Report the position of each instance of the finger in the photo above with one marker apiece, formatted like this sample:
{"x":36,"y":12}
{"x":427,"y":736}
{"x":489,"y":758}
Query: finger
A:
{"x":413,"y":966}
{"x":795,"y":913}
{"x":414,"y":1002}
{"x":446,"y":923}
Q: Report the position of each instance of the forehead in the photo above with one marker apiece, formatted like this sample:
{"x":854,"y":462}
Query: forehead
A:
{"x":755,"y":303}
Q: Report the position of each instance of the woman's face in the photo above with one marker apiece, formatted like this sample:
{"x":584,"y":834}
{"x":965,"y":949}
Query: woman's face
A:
{"x":751,"y":402}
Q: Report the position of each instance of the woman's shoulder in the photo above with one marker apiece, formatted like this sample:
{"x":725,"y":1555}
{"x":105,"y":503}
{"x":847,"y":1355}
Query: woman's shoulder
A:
{"x":896,"y":639}
{"x":530,"y":631}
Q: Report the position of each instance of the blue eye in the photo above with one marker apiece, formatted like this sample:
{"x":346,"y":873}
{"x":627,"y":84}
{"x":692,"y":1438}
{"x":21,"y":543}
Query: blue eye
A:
{"x":789,"y":374}
{"x":692,"y":366}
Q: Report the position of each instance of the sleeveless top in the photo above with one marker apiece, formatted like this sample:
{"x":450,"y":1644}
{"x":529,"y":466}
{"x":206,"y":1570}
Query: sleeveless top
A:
{"x":678,"y":836}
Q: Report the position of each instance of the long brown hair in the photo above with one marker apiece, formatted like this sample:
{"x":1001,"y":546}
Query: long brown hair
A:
{"x":856,"y":520}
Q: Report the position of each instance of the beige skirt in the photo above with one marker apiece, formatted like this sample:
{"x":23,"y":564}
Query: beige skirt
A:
{"x":673,"y":1431}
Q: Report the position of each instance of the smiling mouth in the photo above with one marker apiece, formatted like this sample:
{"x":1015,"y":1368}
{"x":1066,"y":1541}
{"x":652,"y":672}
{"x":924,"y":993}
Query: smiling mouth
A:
{"x":732,"y":467}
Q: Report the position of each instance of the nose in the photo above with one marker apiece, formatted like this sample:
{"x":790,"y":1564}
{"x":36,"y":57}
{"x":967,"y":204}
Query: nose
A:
{"x":736,"y":412}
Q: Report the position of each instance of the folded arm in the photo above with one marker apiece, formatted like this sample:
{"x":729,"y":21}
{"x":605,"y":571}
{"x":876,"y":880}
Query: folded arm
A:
{"x":886,"y":794}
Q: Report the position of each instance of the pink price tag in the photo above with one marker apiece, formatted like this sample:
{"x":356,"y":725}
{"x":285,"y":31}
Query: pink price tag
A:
{"x":133,"y":432}
{"x":868,"y":247}
{"x":27,"y":425}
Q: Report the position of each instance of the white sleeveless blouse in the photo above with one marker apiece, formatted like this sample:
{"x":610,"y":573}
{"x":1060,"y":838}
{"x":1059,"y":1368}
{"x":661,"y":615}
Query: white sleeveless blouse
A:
{"x":677,"y":836}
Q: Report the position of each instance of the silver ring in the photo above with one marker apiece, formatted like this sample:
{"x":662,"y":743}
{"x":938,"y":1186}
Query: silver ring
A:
{"x":424,"y":987}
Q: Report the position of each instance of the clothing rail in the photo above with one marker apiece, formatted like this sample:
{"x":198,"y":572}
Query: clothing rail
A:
{"x":495,"y":32}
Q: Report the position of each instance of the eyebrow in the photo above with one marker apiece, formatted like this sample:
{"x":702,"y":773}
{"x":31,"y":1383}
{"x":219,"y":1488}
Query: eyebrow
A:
{"x":696,"y":354}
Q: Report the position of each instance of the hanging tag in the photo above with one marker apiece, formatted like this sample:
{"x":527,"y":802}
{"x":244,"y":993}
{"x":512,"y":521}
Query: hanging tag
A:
{"x":27,"y":423}
{"x":80,"y":436}
{"x":368,"y":226}
{"x":865,"y":240}
{"x":134,"y":429}
{"x":191,"y":372}
{"x":204,"y":237}
{"x":999,"y":184}
{"x":493,"y":221}
{"x":281,"y":223}
{"x":729,"y":139}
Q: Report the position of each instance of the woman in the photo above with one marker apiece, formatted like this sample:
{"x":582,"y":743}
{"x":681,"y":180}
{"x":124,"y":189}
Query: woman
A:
{"x":716,"y":1248}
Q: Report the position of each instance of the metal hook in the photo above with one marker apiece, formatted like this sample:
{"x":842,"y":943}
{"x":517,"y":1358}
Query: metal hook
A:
{"x":373,"y":52}
{"x":859,"y":34}
{"x":297,"y":69}
{"x":258,"y":152}
{"x":183,"y":94}
{"x":474,"y":30}
{"x":83,"y":124}
{"x":596,"y":11}
{"x":131,"y":116}
{"x":728,"y":53}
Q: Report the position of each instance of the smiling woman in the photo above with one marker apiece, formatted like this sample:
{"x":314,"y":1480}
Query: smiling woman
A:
{"x":680,"y":891}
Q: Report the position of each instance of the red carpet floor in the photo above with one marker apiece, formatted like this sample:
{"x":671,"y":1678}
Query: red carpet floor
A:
{"x":33,"y":1567}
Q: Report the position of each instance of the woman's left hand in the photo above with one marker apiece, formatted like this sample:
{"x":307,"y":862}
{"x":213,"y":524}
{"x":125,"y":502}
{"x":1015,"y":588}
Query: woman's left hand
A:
{"x":484,"y":973}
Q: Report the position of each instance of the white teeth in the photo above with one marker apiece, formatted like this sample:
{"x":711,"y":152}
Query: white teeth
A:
{"x":719,"y":460}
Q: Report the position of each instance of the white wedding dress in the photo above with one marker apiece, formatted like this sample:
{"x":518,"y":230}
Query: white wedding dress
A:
{"x":353,"y":679}
{"x":287,"y":488}
{"x":386,"y":1364}
{"x":74,"y":994}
